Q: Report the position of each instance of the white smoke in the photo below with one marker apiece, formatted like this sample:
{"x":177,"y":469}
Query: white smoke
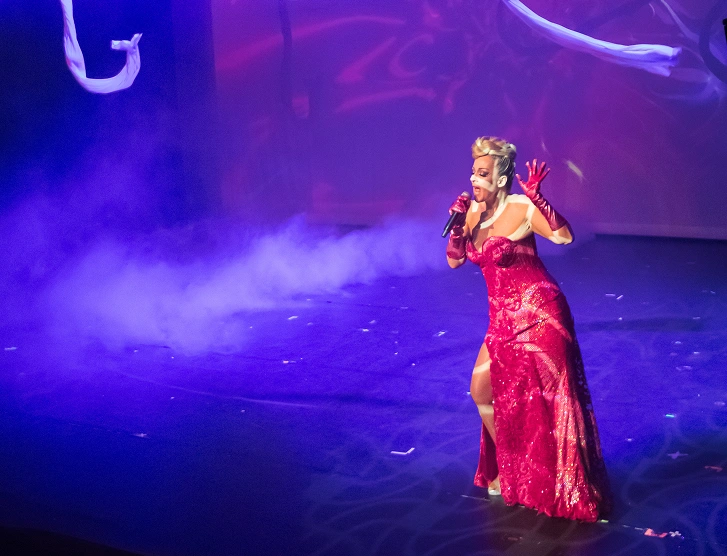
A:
{"x":123,"y":296}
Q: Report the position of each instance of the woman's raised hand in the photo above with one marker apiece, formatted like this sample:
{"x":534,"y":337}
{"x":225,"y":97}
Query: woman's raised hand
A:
{"x":536,"y":175}
{"x":531,"y":188}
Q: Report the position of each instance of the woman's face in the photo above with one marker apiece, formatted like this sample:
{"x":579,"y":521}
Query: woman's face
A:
{"x":484,"y":179}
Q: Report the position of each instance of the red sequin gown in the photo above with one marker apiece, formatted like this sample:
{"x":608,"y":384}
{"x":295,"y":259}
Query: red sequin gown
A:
{"x":548,"y":454}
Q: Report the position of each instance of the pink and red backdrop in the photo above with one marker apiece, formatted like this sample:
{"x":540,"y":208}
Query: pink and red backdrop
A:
{"x":354,"y":111}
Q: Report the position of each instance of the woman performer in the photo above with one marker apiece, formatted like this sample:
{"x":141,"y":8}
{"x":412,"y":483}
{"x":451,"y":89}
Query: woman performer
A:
{"x":539,"y":445}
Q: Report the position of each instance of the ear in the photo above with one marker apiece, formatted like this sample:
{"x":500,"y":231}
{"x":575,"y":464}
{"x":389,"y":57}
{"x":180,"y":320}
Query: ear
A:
{"x":501,"y":181}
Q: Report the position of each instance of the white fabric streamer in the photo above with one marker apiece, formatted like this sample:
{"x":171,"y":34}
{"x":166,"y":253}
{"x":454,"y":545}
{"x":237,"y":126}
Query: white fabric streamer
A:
{"x":654,"y":58}
{"x":74,"y":58}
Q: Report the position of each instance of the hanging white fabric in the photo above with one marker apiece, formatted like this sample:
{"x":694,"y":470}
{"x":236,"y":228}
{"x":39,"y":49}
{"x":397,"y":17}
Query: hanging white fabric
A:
{"x":74,"y":58}
{"x":654,"y":58}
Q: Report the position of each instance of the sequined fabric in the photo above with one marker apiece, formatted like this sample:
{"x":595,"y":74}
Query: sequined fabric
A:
{"x":548,"y":453}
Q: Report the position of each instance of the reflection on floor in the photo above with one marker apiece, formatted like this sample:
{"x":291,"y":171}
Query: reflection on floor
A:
{"x":345,"y":426}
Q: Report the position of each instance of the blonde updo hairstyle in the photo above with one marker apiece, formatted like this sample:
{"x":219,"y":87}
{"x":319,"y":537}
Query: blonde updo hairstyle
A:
{"x":502,"y":151}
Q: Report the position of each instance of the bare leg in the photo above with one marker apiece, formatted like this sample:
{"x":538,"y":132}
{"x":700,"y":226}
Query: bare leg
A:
{"x":481,"y":392}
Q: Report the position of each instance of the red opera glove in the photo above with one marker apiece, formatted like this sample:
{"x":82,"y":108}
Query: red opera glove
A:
{"x":531,"y":188}
{"x":456,"y":244}
{"x":461,"y":204}
{"x":457,"y":212}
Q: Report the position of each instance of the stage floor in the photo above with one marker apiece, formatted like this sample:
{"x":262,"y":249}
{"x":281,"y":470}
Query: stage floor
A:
{"x":345,"y":427}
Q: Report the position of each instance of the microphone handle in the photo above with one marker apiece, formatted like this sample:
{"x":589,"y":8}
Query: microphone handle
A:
{"x":454,"y":219}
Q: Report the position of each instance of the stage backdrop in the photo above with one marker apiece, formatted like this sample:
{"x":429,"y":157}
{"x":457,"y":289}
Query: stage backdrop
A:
{"x":354,"y":111}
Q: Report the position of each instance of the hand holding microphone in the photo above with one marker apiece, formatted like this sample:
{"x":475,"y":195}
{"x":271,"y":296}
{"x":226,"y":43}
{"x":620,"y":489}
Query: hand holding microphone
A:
{"x":457,"y":212}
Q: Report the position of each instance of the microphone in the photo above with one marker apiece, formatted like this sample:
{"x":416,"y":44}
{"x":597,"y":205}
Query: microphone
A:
{"x":455,"y":218}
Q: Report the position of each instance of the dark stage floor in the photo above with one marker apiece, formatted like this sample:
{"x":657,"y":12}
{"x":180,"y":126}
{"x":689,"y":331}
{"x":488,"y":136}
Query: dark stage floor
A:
{"x":346,"y":428}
